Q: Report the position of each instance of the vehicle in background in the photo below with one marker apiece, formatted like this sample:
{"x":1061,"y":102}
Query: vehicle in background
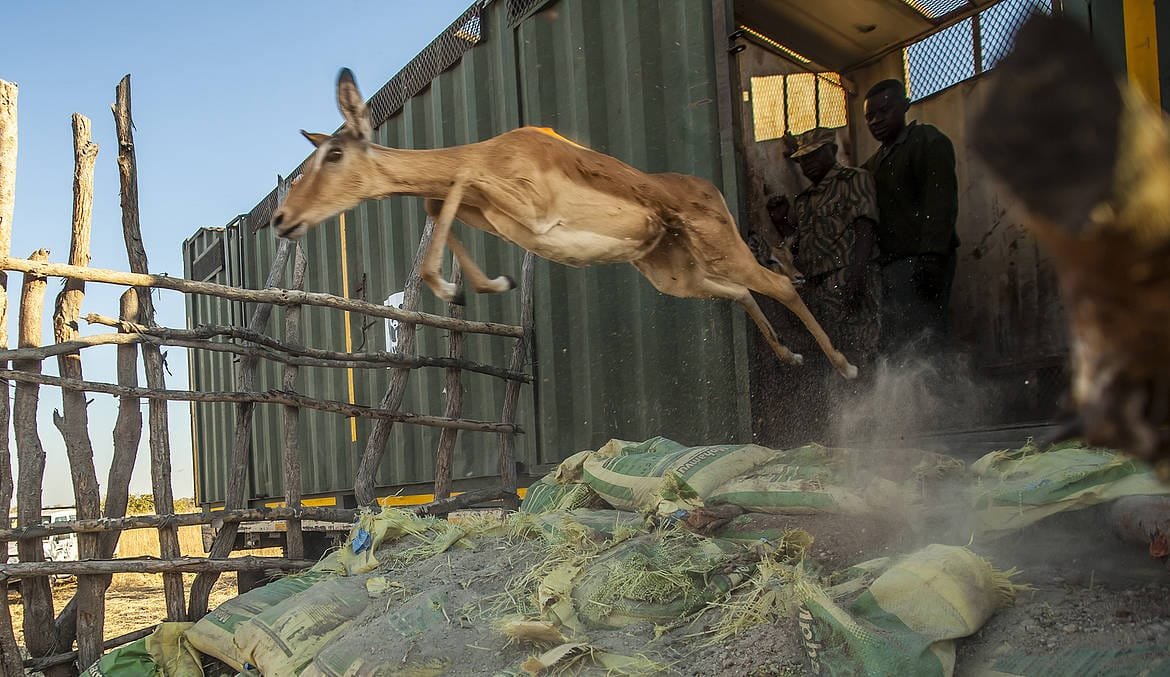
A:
{"x":56,"y":548}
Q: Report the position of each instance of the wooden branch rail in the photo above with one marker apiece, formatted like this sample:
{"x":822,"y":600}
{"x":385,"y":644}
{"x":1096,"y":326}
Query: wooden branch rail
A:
{"x":39,"y":664}
{"x":280,"y":297}
{"x":273,"y":349}
{"x":267,"y":397}
{"x":450,"y":504}
{"x":340,"y":515}
{"x":150,"y":565}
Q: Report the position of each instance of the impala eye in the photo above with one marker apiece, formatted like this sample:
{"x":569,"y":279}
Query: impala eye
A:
{"x":333,"y":155}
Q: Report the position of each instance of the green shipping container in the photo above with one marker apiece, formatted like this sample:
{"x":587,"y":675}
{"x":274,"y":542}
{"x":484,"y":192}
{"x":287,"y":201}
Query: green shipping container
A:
{"x":612,"y":357}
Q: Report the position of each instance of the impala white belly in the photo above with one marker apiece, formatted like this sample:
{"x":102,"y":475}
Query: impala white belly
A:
{"x":588,"y":237}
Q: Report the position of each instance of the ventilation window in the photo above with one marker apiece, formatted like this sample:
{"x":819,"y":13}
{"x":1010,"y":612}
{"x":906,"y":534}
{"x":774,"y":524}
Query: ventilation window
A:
{"x":796,"y":103}
{"x":966,"y":49}
{"x":937,"y":9}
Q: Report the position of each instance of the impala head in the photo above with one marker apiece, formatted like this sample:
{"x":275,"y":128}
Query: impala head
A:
{"x":777,"y":258}
{"x":336,"y":176}
{"x":780,"y":260}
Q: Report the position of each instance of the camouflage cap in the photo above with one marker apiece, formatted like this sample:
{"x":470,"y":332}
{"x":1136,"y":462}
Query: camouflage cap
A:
{"x":812,"y":140}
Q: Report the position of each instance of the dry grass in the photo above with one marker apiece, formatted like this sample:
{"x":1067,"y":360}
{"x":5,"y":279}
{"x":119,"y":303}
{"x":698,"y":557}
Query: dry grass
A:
{"x":144,"y":542}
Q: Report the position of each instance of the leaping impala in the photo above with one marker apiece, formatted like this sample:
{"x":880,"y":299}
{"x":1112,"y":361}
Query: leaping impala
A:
{"x":554,"y":198}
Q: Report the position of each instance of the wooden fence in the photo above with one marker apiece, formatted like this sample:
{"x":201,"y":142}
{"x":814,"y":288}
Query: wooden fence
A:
{"x":50,"y":636}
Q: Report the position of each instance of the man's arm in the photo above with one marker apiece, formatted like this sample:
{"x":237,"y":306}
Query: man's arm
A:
{"x":940,"y":193}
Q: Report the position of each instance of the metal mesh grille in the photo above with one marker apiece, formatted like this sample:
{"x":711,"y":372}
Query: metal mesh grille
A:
{"x":796,"y":103}
{"x":941,"y":60}
{"x":444,"y":52}
{"x":973,"y":45}
{"x":768,"y":107}
{"x":936,"y":9}
{"x":519,"y":9}
{"x":998,"y":26}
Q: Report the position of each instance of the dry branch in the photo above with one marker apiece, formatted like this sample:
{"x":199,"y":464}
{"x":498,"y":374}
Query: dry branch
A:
{"x":512,"y":393}
{"x":271,"y":349}
{"x":363,"y":484}
{"x":268,"y":295}
{"x":294,"y":544}
{"x":450,"y":504}
{"x":150,"y":565}
{"x":38,"y":664}
{"x":454,"y":404}
{"x":218,"y":517}
{"x":160,"y":439}
{"x":10,"y":657}
{"x":73,"y":422}
{"x":267,"y":397}
{"x":39,"y":633}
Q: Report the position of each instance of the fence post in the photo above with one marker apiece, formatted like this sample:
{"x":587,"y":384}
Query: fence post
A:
{"x":73,"y":420}
{"x":294,"y":546}
{"x":512,"y":392}
{"x":363,"y":485}
{"x":10,"y":659}
{"x":39,"y":632}
{"x":127,"y":435}
{"x":160,"y":439}
{"x":454,"y":388}
{"x":237,"y":467}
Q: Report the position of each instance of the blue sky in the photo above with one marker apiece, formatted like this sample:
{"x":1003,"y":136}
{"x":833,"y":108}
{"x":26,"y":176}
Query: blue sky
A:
{"x":219,"y":91}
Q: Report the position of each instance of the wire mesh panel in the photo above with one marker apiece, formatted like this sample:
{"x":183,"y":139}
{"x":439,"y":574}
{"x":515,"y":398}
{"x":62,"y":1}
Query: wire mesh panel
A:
{"x":998,"y":26}
{"x":970,"y":47}
{"x":941,"y":60}
{"x":801,"y":102}
{"x":518,"y":10}
{"x":768,"y":107}
{"x":937,"y":9}
{"x":795,"y":103}
{"x":443,"y":52}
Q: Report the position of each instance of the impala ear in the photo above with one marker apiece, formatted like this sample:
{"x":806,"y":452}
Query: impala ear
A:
{"x":353,"y":106}
{"x":315,"y":138}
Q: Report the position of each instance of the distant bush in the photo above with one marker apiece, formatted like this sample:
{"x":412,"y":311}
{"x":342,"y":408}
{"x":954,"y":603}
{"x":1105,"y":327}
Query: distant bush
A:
{"x":143,"y":504}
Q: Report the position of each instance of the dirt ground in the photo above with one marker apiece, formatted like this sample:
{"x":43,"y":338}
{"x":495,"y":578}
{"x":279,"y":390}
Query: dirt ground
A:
{"x":133,"y":602}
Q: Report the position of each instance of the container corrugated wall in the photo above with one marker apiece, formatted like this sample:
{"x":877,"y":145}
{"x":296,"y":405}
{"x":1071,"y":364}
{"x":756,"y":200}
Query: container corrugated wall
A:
{"x":613,"y":357}
{"x":212,"y":255}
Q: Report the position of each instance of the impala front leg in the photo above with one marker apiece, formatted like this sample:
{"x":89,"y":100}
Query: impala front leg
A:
{"x":473,"y":274}
{"x":431,"y":272}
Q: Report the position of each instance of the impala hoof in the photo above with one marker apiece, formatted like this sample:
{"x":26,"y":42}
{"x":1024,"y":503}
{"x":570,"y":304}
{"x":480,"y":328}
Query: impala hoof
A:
{"x":509,"y":283}
{"x":459,"y":298}
{"x":796,"y":358}
{"x":849,"y":372}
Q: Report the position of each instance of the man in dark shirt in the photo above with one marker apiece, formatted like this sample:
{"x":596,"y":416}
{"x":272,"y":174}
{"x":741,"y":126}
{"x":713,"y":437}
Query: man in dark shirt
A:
{"x":917,"y":196}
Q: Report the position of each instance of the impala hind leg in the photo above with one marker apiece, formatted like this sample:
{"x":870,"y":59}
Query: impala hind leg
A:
{"x":780,"y":288}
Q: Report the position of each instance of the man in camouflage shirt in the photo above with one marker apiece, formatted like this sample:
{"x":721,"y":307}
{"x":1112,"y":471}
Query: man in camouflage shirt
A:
{"x":835,"y":224}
